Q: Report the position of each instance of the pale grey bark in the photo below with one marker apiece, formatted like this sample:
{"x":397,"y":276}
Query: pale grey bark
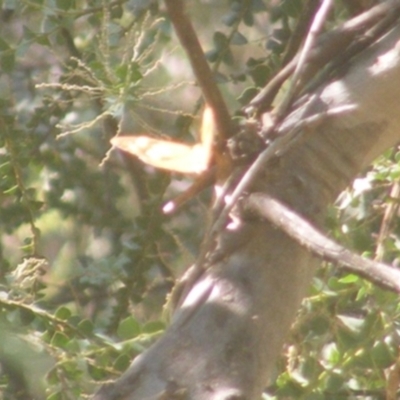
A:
{"x":224,"y":341}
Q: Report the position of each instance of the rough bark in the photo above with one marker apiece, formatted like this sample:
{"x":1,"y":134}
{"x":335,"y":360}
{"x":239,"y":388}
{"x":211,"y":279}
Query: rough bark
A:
{"x":225,"y":346}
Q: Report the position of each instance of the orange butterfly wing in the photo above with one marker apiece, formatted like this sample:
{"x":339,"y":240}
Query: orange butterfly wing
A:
{"x":173,"y":156}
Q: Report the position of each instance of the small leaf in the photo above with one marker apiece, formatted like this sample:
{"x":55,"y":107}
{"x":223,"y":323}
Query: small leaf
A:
{"x":227,"y":56}
{"x":96,"y":373}
{"x":248,"y":18}
{"x":334,"y":382}
{"x":258,"y":6}
{"x":52,"y":377}
{"x":349,"y":278}
{"x":247,"y":95}
{"x":239,"y":39}
{"x":63,"y":313}
{"x":59,"y":340}
{"x":260,"y":75}
{"x":86,"y":327}
{"x":128,"y":328}
{"x":381,"y":355}
{"x":122,"y":362}
{"x":49,"y":24}
{"x":354,"y":325}
{"x":220,"y":41}
{"x":236,"y":6}
{"x":230,"y":18}
{"x":212,"y":55}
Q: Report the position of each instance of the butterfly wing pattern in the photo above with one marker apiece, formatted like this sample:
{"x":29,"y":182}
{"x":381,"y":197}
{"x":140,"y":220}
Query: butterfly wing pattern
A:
{"x":171,"y":155}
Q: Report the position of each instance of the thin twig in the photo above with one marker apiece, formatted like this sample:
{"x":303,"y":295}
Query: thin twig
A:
{"x":300,"y":30}
{"x":304,"y":56}
{"x":203,"y":181}
{"x":188,"y":38}
{"x":308,"y":236}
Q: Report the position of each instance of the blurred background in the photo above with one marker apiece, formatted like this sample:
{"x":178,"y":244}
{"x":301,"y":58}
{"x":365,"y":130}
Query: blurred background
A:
{"x":86,"y":256}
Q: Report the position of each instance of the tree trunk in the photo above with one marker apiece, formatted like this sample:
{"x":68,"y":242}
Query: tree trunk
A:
{"x":225,"y":338}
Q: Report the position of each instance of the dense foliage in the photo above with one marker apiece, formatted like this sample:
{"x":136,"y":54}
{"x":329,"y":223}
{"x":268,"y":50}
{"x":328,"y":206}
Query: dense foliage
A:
{"x":86,"y":256}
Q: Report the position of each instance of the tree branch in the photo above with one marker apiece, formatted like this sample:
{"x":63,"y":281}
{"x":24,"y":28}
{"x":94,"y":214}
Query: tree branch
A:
{"x":304,"y":55}
{"x":300,"y":30}
{"x":308,"y":236}
{"x":330,"y":45}
{"x":189,"y":41}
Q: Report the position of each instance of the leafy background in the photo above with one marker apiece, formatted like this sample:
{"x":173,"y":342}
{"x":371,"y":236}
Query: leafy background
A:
{"x":86,"y":257}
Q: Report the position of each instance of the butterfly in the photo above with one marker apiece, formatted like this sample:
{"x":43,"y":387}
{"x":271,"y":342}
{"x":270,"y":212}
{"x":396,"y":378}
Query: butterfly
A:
{"x":172,"y":155}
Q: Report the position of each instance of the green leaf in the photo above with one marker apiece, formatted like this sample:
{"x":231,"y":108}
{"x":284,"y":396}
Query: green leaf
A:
{"x":332,"y":354}
{"x":59,"y":340}
{"x":258,"y":6}
{"x":361,"y":359}
{"x":318,"y":325}
{"x":52,"y":377}
{"x":334,"y":382}
{"x":349,"y":278}
{"x":129,"y":71}
{"x":260,"y":75}
{"x":230,"y":18}
{"x":96,"y":373}
{"x":381,"y":355}
{"x":73,"y":346}
{"x":248,"y":18}
{"x":122,"y":362}
{"x":220,"y":41}
{"x":239,"y":39}
{"x":247,"y":95}
{"x":50,"y":24}
{"x":63,"y":313}
{"x":86,"y":327}
{"x":346,"y":340}
{"x":354,"y":325}
{"x":236,"y":5}
{"x":128,"y":328}
{"x":310,"y":369}
{"x":136,"y":74}
{"x":212,"y":55}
